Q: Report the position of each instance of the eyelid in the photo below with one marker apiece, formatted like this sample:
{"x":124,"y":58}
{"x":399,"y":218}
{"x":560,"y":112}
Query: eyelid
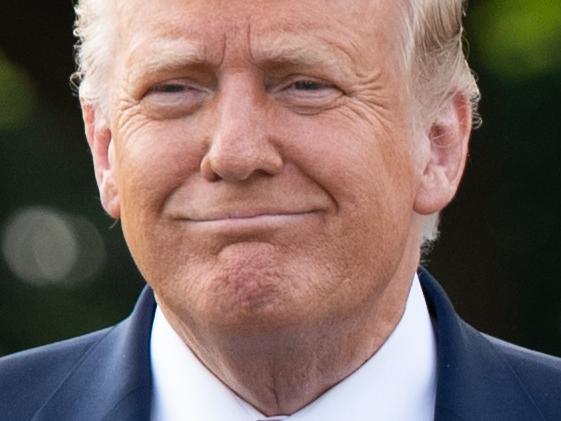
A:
{"x":313,"y":85}
{"x":307,"y":101}
{"x":187,"y":85}
{"x":286,"y":83}
{"x":161,"y":87}
{"x":174,"y":98}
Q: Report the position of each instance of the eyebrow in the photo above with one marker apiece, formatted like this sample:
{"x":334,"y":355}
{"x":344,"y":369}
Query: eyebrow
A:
{"x":297,"y":49}
{"x":166,"y":55}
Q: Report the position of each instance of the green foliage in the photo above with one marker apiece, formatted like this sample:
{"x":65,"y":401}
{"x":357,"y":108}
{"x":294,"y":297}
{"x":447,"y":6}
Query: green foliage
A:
{"x":17,"y":96}
{"x":518,"y":39}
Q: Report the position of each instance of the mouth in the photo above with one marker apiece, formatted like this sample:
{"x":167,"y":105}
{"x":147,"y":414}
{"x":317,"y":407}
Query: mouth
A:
{"x":234,"y":216}
{"x":251,"y":221}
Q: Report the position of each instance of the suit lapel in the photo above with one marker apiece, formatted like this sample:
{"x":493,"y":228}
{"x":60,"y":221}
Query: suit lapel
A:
{"x":112,"y":381}
{"x":475,"y":382}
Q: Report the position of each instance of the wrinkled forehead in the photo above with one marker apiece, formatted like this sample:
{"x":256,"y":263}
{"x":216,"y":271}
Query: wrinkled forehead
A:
{"x":214,"y":22}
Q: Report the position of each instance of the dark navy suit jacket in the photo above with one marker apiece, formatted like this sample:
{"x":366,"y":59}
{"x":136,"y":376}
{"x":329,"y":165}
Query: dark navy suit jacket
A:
{"x":106,"y":375}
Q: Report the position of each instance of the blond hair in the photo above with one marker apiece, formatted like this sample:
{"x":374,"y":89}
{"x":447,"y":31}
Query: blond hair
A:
{"x":435,"y":59}
{"x":95,"y":28}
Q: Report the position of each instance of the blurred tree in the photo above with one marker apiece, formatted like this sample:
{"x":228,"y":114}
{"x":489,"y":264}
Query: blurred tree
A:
{"x":501,"y":238}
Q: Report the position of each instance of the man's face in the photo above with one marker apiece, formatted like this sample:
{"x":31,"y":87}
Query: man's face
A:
{"x":263,"y":156}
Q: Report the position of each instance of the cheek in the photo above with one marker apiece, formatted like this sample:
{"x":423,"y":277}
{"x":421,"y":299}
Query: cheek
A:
{"x":153,"y":163}
{"x":357,"y":162}
{"x":368,"y":173}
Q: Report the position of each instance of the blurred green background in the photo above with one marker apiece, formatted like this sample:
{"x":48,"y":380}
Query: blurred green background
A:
{"x":64,"y":267}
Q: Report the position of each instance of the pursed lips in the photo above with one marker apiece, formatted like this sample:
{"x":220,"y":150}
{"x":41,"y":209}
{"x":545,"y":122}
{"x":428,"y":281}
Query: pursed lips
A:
{"x":249,"y":220}
{"x":233,"y":216}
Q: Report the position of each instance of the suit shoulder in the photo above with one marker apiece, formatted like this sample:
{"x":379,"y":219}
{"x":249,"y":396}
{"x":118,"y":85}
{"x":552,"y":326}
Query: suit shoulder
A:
{"x":28,"y":378}
{"x":538,"y":373}
{"x":527,"y":360}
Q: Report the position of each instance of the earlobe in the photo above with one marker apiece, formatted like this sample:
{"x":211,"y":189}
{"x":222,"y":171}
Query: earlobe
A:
{"x":448,"y":138}
{"x":98,"y":134}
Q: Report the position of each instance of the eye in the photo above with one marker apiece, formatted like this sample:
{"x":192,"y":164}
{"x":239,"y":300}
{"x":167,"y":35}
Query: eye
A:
{"x":307,"y":94}
{"x":174,"y":98}
{"x":172,"y":88}
{"x":309,"y":85}
{"x":168,"y":88}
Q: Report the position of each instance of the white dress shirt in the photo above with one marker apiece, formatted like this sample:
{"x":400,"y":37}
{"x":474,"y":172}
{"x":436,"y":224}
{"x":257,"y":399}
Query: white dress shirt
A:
{"x":397,"y":384}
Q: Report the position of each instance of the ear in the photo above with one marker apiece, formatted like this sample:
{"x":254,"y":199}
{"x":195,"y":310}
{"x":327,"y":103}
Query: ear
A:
{"x":448,"y":138}
{"x":100,"y":141}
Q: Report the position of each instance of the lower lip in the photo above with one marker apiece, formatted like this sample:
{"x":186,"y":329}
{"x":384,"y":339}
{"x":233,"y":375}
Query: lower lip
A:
{"x":258,"y":222}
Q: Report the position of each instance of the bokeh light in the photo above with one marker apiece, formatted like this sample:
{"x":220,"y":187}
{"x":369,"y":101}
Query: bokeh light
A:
{"x":45,"y":246}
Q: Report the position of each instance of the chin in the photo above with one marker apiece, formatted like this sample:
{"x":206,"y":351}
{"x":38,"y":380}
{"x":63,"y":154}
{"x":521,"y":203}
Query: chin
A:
{"x":250,"y":288}
{"x":248,"y":296}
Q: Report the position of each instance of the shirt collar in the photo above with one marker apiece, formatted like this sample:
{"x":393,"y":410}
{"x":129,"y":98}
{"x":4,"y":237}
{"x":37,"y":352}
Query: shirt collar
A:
{"x":398,"y":383}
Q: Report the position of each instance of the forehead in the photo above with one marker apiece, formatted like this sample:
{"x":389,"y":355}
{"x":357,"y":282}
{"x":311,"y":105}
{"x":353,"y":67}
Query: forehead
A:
{"x":211,"y":26}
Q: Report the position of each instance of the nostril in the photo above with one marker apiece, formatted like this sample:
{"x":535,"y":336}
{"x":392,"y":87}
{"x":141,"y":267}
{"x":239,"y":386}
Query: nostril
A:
{"x":229,"y":167}
{"x":207,"y":171}
{"x":238,"y":164}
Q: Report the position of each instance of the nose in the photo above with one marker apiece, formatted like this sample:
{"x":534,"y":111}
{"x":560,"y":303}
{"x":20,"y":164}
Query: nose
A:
{"x":241,"y":144}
